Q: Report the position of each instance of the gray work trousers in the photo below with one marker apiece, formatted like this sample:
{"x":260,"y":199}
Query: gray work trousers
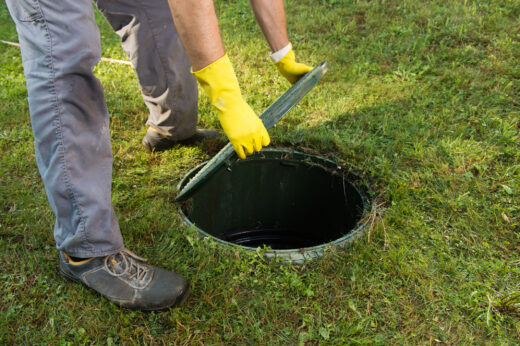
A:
{"x":60,"y":45}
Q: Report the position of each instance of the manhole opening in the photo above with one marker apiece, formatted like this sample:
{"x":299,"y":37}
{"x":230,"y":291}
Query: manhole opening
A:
{"x":280,"y":199}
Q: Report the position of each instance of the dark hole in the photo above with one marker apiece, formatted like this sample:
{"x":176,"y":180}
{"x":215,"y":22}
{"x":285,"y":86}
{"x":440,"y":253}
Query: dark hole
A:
{"x":280,"y":201}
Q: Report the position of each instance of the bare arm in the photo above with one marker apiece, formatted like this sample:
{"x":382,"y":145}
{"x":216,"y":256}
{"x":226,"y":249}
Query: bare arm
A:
{"x":270,"y":16}
{"x":197,"y":25}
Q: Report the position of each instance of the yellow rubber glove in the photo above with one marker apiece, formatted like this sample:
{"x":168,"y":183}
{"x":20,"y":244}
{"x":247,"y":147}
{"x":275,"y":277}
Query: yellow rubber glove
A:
{"x":290,"y":69}
{"x":242,"y":126}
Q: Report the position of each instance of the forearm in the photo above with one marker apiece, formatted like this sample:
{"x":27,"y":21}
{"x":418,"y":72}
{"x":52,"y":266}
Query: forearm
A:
{"x":270,"y":16}
{"x":197,"y":25}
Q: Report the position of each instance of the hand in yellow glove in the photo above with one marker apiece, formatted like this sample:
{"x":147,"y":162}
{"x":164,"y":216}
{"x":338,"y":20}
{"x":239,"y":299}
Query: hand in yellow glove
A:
{"x":242,"y":126}
{"x":288,"y":66}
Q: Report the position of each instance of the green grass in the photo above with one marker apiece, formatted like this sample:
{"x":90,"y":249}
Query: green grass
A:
{"x":422,"y":98}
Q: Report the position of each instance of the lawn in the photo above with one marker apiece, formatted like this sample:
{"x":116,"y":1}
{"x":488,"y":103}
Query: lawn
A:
{"x":422,"y":98}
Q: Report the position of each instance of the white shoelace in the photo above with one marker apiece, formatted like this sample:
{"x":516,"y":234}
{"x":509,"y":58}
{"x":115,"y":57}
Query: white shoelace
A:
{"x":126,"y":262}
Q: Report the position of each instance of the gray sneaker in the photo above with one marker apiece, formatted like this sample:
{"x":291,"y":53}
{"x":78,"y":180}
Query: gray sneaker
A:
{"x":127,"y":280}
{"x":153,"y":141}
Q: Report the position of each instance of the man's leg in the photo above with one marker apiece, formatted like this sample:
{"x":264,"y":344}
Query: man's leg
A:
{"x":60,"y":46}
{"x":151,"y":41}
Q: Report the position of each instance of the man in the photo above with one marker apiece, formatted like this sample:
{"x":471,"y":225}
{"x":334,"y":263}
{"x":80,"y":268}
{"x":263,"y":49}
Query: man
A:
{"x":60,"y":46}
